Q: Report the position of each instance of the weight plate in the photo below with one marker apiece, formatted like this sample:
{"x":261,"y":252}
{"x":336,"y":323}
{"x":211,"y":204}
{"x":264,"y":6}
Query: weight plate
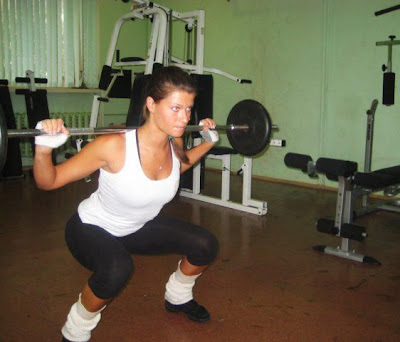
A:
{"x":254,"y":140}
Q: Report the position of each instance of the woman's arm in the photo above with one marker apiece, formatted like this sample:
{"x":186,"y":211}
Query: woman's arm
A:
{"x":92,"y":157}
{"x":81,"y":165}
{"x":197,"y":152}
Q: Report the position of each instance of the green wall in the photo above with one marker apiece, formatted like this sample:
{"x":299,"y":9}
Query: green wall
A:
{"x":315,"y":67}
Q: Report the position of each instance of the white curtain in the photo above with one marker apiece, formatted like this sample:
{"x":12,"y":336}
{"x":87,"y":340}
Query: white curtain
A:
{"x":57,"y":39}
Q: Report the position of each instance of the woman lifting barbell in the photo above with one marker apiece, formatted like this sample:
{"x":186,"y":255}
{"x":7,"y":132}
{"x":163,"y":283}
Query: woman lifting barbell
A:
{"x":139,"y":174}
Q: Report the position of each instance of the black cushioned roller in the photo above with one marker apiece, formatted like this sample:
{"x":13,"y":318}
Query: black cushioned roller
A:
{"x":298,"y":161}
{"x":336,"y":167}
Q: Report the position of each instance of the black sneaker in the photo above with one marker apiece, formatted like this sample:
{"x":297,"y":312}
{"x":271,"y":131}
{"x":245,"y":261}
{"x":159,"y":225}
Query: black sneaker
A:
{"x":192,"y":309}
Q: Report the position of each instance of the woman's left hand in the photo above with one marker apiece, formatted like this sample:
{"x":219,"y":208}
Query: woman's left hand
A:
{"x":208,"y":134}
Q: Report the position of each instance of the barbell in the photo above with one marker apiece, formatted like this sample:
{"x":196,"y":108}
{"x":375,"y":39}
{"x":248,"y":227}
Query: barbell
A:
{"x":248,"y":129}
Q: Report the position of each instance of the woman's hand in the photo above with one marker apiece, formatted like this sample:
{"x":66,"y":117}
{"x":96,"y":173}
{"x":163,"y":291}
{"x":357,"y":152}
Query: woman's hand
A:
{"x":57,"y":133}
{"x":208,"y":134}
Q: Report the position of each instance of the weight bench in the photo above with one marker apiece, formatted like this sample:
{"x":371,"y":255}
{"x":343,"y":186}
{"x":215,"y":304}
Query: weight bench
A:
{"x":352,"y":185}
{"x":345,"y":172}
{"x":386,"y":180}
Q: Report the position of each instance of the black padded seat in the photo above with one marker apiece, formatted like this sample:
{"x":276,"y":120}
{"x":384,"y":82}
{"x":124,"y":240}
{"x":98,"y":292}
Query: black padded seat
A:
{"x":132,"y":59}
{"x":220,"y":150}
{"x":334,"y":168}
{"x":379,"y":178}
{"x":393,"y":171}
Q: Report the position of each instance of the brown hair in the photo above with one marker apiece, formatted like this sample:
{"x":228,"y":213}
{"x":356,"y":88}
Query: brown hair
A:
{"x":162,"y":82}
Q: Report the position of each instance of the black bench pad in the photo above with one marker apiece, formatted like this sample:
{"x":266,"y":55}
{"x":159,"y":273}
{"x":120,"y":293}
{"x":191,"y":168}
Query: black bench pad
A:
{"x":379,"y":178}
{"x":334,"y":168}
{"x":220,"y":150}
{"x":393,"y":171}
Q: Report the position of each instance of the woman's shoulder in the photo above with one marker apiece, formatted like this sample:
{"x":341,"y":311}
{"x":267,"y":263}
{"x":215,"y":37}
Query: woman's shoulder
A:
{"x":111,"y":149}
{"x":110,"y":140}
{"x":109,"y":144}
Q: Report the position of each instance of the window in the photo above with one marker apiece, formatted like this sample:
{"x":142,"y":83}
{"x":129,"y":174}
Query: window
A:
{"x":57,"y":39}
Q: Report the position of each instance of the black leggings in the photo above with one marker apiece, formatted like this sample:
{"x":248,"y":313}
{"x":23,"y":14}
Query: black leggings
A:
{"x":109,"y":257}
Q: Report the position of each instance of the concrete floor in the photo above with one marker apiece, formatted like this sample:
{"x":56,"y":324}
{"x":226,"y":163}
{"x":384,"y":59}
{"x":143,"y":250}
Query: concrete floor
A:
{"x":267,"y":283}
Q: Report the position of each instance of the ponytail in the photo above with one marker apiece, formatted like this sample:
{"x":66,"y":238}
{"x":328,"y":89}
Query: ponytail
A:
{"x":179,"y":152}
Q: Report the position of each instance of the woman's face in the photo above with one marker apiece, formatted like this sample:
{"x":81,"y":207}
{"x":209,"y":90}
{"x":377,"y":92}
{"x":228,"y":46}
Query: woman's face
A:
{"x":172,"y":114}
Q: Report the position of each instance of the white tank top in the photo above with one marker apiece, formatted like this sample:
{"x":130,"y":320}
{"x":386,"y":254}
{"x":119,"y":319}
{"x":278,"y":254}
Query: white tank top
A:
{"x":126,"y":200}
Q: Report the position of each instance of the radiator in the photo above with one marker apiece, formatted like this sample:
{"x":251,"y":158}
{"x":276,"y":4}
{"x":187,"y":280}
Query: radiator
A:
{"x":73,"y":120}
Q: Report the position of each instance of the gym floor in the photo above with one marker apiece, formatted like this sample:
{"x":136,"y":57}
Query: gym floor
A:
{"x":267,"y":283}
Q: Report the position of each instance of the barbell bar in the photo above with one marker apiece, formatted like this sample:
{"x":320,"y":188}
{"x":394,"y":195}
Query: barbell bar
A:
{"x":28,"y":133}
{"x":248,"y":129}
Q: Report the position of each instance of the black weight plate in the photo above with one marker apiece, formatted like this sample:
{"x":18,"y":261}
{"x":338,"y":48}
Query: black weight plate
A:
{"x":3,"y":138}
{"x":254,"y":140}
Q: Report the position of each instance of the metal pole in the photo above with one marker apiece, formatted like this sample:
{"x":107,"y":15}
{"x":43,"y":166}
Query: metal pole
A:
{"x":27,"y":133}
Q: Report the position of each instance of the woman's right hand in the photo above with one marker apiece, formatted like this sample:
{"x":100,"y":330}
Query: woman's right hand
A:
{"x":58,"y":134}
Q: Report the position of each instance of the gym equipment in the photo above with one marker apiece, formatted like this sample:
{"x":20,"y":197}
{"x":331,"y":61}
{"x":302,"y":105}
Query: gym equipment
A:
{"x":343,"y":171}
{"x":252,"y":132}
{"x":387,"y":10}
{"x":352,"y":185}
{"x":115,"y":78}
{"x":389,"y":77}
{"x":37,"y":106}
{"x":248,"y":112}
{"x":12,"y":168}
{"x":387,"y":178}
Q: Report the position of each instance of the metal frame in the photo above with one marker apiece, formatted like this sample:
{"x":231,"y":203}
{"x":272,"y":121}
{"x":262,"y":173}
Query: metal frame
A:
{"x":248,"y":204}
{"x":388,"y":205}
{"x":344,"y":214}
{"x":348,"y":192}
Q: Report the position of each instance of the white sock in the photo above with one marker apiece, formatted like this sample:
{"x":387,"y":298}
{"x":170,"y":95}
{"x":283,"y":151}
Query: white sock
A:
{"x":80,"y":322}
{"x":179,"y":288}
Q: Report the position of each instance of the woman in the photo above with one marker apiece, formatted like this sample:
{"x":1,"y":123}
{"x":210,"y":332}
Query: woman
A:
{"x":139,"y":174}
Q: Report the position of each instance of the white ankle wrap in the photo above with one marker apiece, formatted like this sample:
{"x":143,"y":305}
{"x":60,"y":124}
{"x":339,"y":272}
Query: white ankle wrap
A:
{"x":80,"y":322}
{"x":179,"y":288}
